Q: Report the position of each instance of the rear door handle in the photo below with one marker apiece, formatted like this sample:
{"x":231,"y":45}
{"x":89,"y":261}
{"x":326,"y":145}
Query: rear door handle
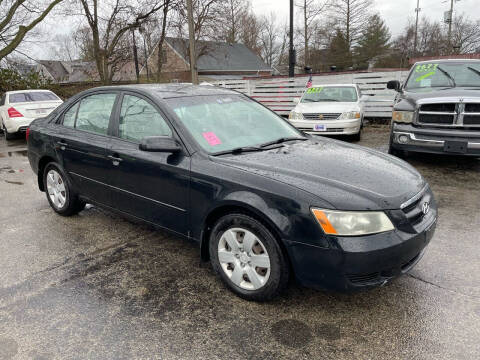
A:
{"x":115,"y":160}
{"x":62,"y":144}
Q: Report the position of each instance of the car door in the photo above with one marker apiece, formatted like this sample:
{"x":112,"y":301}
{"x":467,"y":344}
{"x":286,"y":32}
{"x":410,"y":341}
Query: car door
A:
{"x":153,"y":186}
{"x":82,"y":142}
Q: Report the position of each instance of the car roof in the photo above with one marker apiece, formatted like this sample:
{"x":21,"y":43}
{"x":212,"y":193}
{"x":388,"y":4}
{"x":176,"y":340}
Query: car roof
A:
{"x":171,"y":90}
{"x":336,"y":85}
{"x":27,"y":91}
{"x":447,"y":60}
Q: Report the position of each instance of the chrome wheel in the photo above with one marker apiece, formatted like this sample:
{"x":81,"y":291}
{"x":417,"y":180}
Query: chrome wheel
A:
{"x":244,"y":258}
{"x":56,"y":189}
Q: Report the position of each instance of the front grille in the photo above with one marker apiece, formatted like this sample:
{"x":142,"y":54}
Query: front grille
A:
{"x":321,"y":116}
{"x":414,"y":209}
{"x":436,"y":119}
{"x":472,"y":108}
{"x":471,"y":120}
{"x":449,"y":114}
{"x":362,"y":279}
{"x":448,"y":107}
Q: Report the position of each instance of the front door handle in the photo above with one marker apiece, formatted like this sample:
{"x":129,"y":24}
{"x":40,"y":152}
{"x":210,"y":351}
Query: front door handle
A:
{"x":115,"y":160}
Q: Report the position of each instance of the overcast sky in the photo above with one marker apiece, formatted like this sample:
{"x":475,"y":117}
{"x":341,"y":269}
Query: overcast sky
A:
{"x":396,"y":13}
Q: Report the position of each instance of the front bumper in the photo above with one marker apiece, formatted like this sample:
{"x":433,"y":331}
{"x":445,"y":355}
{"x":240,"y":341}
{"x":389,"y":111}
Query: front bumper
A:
{"x":333,"y":127}
{"x":356,"y":263}
{"x":410,"y":138}
{"x":14,"y":125}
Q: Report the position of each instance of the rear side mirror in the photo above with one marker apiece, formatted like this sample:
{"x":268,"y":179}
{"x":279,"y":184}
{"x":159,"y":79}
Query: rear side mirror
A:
{"x":394,"y":85}
{"x":296,"y":100}
{"x":160,"y":144}
{"x":364,"y":98}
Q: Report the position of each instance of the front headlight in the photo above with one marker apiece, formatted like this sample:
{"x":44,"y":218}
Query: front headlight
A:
{"x":352,"y":223}
{"x":350,"y":115}
{"x":402,"y":116}
{"x":295,"y":115}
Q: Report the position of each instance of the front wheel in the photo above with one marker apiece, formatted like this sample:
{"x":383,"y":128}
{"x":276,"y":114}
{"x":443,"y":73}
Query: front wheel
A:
{"x":59,"y":193}
{"x":248,"y":258}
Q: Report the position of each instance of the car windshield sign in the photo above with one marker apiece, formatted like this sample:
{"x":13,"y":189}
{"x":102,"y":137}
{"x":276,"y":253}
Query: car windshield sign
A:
{"x":330,"y":94}
{"x":222,"y":124}
{"x":444,"y":75}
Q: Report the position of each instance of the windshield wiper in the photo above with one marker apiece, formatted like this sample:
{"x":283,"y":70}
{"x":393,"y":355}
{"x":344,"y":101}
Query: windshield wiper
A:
{"x":281,"y":140}
{"x":242,"y":149}
{"x":474,"y":70}
{"x":447,"y":75}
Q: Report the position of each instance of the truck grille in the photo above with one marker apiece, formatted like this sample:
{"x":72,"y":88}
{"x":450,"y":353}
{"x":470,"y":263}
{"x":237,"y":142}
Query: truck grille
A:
{"x":450,"y":114}
{"x":321,"y":116}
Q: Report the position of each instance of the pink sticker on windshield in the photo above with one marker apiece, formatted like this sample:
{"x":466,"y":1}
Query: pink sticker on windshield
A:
{"x":211,"y":138}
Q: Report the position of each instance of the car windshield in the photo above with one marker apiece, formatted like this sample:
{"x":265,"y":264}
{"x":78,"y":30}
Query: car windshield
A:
{"x":330,"y":93}
{"x":226,"y":122}
{"x":448,"y":74}
{"x":32,"y":97}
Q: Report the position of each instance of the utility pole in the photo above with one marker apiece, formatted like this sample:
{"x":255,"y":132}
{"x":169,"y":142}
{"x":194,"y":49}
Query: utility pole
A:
{"x":450,"y":27}
{"x":417,"y":10}
{"x":191,"y":35}
{"x":135,"y":57}
{"x":291,"y":53}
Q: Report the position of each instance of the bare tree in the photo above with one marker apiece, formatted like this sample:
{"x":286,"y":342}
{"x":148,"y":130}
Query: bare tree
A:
{"x":312,"y":10}
{"x":465,"y":34}
{"x":352,"y":16}
{"x":109,"y":22}
{"x":232,"y":13}
{"x":270,"y":39}
{"x":18,"y":18}
{"x":250,"y":30}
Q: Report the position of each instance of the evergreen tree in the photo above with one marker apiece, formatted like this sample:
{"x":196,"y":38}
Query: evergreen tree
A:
{"x":374,"y":42}
{"x":339,"y":54}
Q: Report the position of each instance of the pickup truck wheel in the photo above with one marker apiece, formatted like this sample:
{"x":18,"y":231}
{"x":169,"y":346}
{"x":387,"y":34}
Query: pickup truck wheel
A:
{"x":248,"y":258}
{"x":59,"y":193}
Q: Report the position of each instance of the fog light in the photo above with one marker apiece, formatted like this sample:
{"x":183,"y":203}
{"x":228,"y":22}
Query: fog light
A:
{"x":403,"y":139}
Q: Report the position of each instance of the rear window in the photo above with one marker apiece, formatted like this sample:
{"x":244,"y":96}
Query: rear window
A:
{"x":32,"y":97}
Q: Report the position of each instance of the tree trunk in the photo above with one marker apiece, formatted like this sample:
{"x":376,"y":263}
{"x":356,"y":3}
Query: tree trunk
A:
{"x":306,"y":31}
{"x":162,"y":41}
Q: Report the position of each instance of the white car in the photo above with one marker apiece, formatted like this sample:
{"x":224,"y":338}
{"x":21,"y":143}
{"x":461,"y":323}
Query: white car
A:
{"x":330,"y":110}
{"x":19,"y":108}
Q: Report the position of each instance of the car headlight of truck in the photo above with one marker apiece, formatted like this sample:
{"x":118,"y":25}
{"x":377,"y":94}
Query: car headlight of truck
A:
{"x":402,"y":116}
{"x":352,"y":223}
{"x":350,"y":115}
{"x":295,"y":115}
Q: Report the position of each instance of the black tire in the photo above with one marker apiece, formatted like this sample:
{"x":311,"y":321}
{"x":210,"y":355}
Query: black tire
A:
{"x":73,"y":205}
{"x":8,"y":136}
{"x":395,"y":152}
{"x":279,"y":265}
{"x":356,"y":137}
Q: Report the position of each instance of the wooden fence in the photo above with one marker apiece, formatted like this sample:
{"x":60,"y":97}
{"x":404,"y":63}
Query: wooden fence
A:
{"x":278,"y":93}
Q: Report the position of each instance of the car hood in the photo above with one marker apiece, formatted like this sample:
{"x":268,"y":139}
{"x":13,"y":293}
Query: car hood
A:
{"x":344,"y":176}
{"x":413,"y":97}
{"x":327,"y":107}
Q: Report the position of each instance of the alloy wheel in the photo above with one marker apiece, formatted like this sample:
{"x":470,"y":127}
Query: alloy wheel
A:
{"x":56,"y":189}
{"x":244,"y":258}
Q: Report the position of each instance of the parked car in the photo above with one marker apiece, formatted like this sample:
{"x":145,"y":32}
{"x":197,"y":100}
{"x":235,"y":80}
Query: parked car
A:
{"x":330,"y":110}
{"x":263,"y":199}
{"x":437,"y":110}
{"x":19,"y":108}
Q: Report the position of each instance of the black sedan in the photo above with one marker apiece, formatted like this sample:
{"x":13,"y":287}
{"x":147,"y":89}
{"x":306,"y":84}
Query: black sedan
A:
{"x":264,"y":201}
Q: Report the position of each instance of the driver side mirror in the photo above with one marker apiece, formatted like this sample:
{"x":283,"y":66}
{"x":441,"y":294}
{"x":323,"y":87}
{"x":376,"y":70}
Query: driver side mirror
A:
{"x":296,"y":100}
{"x":160,"y":144}
{"x":394,"y":85}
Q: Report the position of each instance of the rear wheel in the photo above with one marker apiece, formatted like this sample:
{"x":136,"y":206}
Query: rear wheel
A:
{"x":248,"y":258}
{"x":59,"y":193}
{"x":8,"y":136}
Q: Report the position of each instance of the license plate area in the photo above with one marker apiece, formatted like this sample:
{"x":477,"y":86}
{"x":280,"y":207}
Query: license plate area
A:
{"x":319,"y":127}
{"x":458,"y":147}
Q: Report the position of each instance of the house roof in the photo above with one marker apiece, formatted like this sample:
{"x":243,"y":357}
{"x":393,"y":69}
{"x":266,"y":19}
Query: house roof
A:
{"x":55,"y":68}
{"x":220,"y":56}
{"x":70,"y":71}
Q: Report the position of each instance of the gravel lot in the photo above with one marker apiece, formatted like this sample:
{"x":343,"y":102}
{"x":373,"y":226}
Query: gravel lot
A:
{"x":97,"y":286}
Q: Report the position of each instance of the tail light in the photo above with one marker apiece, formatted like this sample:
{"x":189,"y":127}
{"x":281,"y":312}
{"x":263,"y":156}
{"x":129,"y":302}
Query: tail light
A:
{"x":12,"y":112}
{"x":27,"y":133}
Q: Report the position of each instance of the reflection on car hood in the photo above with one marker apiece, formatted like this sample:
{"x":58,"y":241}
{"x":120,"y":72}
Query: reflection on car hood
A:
{"x":327,"y":107}
{"x":349,"y":177}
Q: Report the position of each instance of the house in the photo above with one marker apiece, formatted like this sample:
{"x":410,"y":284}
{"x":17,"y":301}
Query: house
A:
{"x":215,"y":60}
{"x":67,"y":71}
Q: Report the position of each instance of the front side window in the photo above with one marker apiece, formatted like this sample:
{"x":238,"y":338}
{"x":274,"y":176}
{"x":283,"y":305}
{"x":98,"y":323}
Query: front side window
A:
{"x":330,"y":93}
{"x":139,"y":119}
{"x":222,"y":123}
{"x":94,"y":113}
{"x":70,"y":116}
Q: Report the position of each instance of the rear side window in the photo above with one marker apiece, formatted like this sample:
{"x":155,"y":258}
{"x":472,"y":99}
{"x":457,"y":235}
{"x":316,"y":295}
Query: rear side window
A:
{"x":94,"y":113}
{"x":70,"y":116}
{"x":32,"y":97}
{"x":139,"y":119}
